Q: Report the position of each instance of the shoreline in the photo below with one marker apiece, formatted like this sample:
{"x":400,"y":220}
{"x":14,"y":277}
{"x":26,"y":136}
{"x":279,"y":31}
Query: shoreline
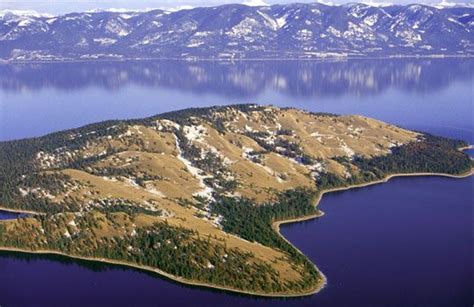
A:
{"x":275,"y":226}
{"x":20,"y":211}
{"x":229,"y":60}
{"x":468,"y":147}
{"x":152,"y":270}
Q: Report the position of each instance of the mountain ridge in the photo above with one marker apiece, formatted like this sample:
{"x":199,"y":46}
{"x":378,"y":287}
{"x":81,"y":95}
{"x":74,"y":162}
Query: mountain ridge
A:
{"x":234,"y":31}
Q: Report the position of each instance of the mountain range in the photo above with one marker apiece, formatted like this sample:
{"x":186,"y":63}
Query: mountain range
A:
{"x":235,"y":31}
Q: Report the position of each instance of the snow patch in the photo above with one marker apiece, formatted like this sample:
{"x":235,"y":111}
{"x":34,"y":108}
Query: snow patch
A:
{"x":194,"y":133}
{"x":347,"y":150}
{"x":281,"y":21}
{"x":272,"y":23}
{"x":206,"y":191}
{"x":371,"y":20}
{"x":255,"y":3}
{"x":105,"y":41}
{"x":151,"y":189}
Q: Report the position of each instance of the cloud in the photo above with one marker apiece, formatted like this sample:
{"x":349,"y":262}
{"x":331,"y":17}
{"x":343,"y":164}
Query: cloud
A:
{"x":255,"y":3}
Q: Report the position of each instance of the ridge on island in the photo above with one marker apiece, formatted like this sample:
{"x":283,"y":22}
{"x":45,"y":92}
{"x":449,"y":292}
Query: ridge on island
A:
{"x":197,"y":195}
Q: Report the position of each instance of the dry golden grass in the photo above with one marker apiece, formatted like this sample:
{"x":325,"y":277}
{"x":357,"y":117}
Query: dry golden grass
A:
{"x":146,"y":151}
{"x":180,"y":216}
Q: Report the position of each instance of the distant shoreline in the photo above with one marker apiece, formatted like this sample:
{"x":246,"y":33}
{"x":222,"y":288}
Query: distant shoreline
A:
{"x":194,"y":60}
{"x":276,"y":227}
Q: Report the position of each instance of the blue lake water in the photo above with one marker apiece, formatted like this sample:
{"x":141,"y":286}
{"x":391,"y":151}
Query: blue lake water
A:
{"x":6,"y":215}
{"x":405,"y":243}
{"x":430,"y":95}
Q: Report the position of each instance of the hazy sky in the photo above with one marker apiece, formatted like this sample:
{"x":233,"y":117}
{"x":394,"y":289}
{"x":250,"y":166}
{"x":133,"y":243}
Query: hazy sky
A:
{"x":64,"y":6}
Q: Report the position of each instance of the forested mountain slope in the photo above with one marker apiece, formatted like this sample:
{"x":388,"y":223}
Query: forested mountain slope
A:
{"x":290,"y":31}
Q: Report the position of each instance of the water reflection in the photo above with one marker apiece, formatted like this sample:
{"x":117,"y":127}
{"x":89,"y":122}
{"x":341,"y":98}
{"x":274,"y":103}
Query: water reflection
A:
{"x":244,"y":79}
{"x":432,"y":95}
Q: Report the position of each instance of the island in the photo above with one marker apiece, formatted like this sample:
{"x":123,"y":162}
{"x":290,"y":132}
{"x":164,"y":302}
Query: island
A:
{"x":198,"y":195}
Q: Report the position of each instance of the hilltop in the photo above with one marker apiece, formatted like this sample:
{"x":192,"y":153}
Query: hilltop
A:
{"x":194,"y":194}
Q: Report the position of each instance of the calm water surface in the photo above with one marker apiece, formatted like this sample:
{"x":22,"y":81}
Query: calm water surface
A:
{"x":432,"y":95}
{"x":6,"y":215}
{"x":408,"y":242}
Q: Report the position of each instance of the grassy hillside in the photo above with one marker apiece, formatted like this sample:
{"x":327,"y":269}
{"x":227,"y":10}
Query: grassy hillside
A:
{"x":194,"y":193}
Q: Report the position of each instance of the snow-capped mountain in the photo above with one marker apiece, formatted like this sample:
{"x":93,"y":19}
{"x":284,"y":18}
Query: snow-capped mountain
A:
{"x":239,"y":31}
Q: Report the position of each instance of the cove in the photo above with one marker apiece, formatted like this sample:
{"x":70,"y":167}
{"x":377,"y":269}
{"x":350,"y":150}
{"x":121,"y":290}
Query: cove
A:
{"x":406,"y":242}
